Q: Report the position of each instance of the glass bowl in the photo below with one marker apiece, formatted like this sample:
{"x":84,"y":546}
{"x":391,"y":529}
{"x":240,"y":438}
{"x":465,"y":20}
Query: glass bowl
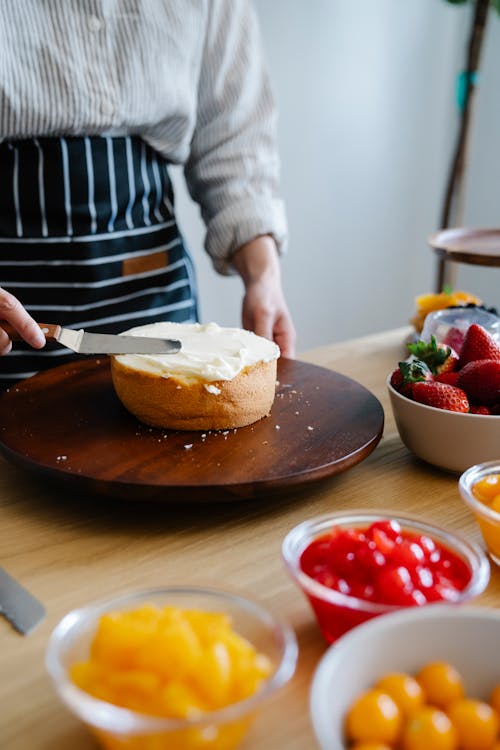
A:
{"x":116,"y":727}
{"x":337,"y":612}
{"x":487,"y":518}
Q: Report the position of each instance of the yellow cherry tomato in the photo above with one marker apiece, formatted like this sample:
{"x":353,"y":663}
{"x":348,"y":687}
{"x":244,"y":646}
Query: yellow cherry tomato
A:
{"x":487,"y":488}
{"x":495,"y":698}
{"x":429,"y":729}
{"x":441,"y":683}
{"x":407,"y":693}
{"x":476,"y":723}
{"x":373,"y":717}
{"x":370,"y":746}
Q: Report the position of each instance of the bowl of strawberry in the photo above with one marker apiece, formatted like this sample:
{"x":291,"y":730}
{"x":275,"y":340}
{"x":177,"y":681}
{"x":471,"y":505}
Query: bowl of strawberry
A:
{"x":353,"y":566}
{"x":446,"y":399}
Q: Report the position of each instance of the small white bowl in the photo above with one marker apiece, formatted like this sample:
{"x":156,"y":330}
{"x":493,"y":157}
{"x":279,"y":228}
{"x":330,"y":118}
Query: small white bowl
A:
{"x":405,"y":641}
{"x":447,"y":439}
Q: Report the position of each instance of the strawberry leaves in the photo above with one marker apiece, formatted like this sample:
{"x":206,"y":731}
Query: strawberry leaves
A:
{"x":438,"y":357}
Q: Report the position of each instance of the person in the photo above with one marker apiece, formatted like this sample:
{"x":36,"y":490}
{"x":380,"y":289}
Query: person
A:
{"x":97,"y":100}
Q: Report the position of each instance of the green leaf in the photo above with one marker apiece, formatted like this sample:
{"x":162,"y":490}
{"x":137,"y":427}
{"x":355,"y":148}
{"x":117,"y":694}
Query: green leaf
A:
{"x":430,"y":353}
{"x":414,"y":371}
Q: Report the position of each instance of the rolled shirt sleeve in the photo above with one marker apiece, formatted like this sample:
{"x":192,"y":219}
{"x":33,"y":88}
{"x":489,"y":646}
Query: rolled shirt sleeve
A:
{"x":233,"y":168}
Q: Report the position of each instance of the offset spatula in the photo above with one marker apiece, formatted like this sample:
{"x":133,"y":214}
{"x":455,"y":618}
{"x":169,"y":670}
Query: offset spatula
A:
{"x":103,"y":343}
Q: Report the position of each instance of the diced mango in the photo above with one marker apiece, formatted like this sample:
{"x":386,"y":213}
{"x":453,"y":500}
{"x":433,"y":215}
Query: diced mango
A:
{"x":487,"y":488}
{"x":170,"y":662}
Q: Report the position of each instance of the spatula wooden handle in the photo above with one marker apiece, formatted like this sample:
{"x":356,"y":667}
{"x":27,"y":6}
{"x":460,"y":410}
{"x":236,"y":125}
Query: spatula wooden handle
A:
{"x":50,"y":330}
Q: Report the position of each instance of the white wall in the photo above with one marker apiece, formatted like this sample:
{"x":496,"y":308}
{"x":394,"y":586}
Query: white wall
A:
{"x":366,"y":95}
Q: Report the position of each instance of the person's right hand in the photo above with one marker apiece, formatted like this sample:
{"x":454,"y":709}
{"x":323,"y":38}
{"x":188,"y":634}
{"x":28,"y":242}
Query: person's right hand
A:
{"x":13,"y":313}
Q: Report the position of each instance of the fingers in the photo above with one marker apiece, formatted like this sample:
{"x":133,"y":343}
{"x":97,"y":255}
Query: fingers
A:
{"x":274,"y":324}
{"x":263,"y":323}
{"x":5,"y":343}
{"x":12,"y":311}
{"x":284,"y":335}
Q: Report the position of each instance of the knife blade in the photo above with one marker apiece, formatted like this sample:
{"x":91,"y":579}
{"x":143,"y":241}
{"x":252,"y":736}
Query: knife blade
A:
{"x":20,"y":607}
{"x":83,"y":342}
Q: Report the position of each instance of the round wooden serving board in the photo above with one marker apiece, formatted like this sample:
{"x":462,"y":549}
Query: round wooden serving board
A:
{"x":67,"y":423}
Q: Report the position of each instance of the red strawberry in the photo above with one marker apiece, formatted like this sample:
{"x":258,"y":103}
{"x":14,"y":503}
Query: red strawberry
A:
{"x":438,"y":357}
{"x":451,"y":378}
{"x":441,"y":396}
{"x":478,"y":344}
{"x":480,"y":409}
{"x":480,"y":380}
{"x":408,"y":373}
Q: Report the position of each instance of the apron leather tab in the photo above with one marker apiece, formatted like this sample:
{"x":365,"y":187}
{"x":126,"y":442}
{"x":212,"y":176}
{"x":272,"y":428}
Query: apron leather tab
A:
{"x":144,"y":263}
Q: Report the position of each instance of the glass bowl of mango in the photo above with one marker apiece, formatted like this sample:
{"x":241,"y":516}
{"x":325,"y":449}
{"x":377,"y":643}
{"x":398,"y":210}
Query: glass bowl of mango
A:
{"x":479,"y":487}
{"x":177,"y":668}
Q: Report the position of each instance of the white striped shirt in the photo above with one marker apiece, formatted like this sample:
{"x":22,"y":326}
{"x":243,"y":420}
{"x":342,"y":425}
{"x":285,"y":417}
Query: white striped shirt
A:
{"x":187,"y":76}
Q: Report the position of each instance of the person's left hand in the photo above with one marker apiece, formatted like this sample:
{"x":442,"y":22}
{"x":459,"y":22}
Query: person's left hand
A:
{"x":264,"y":309}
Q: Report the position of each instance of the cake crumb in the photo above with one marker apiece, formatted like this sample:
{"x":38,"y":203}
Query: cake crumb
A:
{"x":212,"y":389}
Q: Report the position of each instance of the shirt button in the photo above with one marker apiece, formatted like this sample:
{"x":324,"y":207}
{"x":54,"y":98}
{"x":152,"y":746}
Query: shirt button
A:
{"x":95,"y":23}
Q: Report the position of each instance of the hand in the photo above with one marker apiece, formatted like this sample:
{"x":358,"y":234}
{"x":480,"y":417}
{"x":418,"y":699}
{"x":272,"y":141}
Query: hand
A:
{"x":15,"y":315}
{"x":264,"y":309}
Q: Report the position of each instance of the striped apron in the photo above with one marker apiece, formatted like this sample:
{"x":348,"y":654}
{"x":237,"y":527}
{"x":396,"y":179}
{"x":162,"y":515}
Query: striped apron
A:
{"x":88,"y":239}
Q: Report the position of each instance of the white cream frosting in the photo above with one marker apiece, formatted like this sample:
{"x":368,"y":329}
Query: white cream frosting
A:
{"x":208,"y":352}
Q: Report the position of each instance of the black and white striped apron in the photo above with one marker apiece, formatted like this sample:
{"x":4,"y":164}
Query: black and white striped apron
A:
{"x":88,"y":239}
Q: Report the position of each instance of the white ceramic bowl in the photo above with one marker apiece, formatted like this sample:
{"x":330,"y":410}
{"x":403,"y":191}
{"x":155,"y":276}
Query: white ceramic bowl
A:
{"x":446,"y":439}
{"x":467,"y":637}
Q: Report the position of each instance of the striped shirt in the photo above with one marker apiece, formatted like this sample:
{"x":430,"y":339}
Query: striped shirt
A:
{"x":187,"y":77}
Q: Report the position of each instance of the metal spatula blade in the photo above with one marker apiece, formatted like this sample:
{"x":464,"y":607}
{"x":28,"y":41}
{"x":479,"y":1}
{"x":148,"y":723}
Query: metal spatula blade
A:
{"x":105,"y":343}
{"x":82,"y":342}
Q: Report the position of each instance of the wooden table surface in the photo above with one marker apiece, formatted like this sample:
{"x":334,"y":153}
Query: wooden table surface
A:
{"x":69,"y":551}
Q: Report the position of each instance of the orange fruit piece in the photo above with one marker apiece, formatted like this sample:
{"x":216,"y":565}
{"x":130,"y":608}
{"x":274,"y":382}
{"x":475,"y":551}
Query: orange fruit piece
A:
{"x":476,"y":723}
{"x":429,"y":729}
{"x":487,"y":488}
{"x":441,"y":683}
{"x":373,"y":717}
{"x":404,"y":689}
{"x":494,"y":699}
